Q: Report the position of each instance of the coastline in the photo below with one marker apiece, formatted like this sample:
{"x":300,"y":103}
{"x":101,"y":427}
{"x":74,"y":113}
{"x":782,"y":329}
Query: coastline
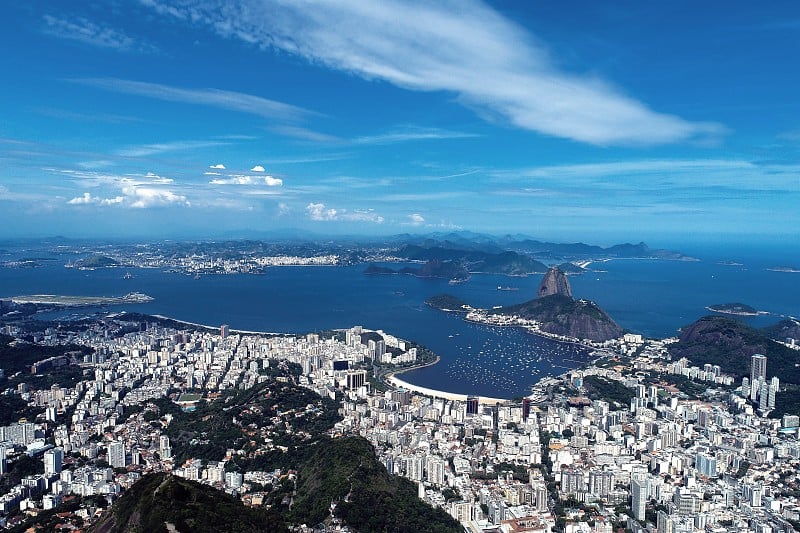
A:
{"x":396,"y":382}
{"x":216,"y":328}
{"x":390,"y":379}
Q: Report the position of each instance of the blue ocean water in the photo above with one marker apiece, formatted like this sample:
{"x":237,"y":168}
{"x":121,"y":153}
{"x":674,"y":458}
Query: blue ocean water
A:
{"x":651,"y":297}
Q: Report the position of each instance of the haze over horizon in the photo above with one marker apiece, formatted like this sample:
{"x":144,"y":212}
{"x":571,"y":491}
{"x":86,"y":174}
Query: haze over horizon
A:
{"x":201,"y":118}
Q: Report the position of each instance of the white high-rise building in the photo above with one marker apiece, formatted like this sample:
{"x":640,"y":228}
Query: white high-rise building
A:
{"x":116,"y":454}
{"x":638,"y":497}
{"x":164,"y":449}
{"x":53,"y":459}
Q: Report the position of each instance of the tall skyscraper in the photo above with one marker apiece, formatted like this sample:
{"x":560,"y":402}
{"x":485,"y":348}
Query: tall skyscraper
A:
{"x":758,"y":373}
{"x":526,"y":409}
{"x":3,"y":466}
{"x":53,"y":460}
{"x":472,"y":405}
{"x":638,"y":497}
{"x":223,"y":331}
{"x":116,"y":454}
{"x":164,"y":449}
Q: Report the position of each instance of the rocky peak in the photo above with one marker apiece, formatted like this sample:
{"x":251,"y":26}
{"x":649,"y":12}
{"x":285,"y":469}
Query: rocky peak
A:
{"x":554,"y":282}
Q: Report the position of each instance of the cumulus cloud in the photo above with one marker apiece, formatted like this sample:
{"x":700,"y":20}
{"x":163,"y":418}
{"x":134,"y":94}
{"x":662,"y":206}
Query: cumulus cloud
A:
{"x":145,"y":197}
{"x":88,"y":199}
{"x":218,"y":166}
{"x":257,"y":168}
{"x":319,"y":212}
{"x":461,"y":47}
{"x":415,"y":219}
{"x":283,"y":209}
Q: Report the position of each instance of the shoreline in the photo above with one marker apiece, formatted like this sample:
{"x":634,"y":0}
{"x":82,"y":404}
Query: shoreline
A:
{"x":216,"y":328}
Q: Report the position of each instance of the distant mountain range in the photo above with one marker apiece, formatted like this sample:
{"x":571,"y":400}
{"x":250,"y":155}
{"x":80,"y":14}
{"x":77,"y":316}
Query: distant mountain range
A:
{"x":475,"y":242}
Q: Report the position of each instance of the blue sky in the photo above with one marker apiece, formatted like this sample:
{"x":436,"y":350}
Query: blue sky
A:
{"x":665,"y":122}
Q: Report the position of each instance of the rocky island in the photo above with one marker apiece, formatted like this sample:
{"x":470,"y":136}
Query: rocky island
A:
{"x":554,"y":312}
{"x":738,"y":309}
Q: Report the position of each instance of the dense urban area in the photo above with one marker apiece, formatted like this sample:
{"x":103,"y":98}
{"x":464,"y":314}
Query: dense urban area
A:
{"x":635,"y":441}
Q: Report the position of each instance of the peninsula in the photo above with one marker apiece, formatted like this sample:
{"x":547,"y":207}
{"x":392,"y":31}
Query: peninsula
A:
{"x":554,"y":313}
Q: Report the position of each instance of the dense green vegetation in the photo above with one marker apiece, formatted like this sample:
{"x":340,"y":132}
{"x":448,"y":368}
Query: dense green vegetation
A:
{"x":725,"y":342}
{"x":20,"y":357}
{"x":231,"y":420}
{"x":446,"y":302}
{"x":490,"y":262}
{"x":611,"y":391}
{"x":785,"y":329}
{"x":735,"y":308}
{"x":159,"y":499}
{"x":564,"y":316}
{"x":96,"y":261}
{"x":12,"y":408}
{"x":346,"y":470}
{"x":787,"y":402}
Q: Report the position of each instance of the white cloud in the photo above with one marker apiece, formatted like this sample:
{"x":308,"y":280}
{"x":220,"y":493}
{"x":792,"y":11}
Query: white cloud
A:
{"x":160,"y":148}
{"x":319,"y":212}
{"x":283,"y":209}
{"x":305,"y":134}
{"x":87,"y":32}
{"x":463,"y":47}
{"x":145,"y":197}
{"x":257,"y":168}
{"x":412,"y":134}
{"x":415,"y":219}
{"x":88,"y":199}
{"x":242,"y":179}
{"x":234,"y":101}
{"x":218,"y":166}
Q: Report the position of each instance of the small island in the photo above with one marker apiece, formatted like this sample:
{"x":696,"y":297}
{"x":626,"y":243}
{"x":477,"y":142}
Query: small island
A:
{"x":93,"y":262}
{"x":448,"y":303}
{"x":784,"y":269}
{"x":738,"y":309}
{"x":450,"y":270}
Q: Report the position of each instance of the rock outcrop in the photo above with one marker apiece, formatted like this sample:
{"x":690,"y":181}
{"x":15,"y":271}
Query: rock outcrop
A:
{"x":554,"y":282}
{"x":561,"y":315}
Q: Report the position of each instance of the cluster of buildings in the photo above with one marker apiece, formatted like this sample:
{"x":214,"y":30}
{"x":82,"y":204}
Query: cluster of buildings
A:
{"x":663,"y":462}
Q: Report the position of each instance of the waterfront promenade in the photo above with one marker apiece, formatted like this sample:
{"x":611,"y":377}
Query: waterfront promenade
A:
{"x":397,"y":382}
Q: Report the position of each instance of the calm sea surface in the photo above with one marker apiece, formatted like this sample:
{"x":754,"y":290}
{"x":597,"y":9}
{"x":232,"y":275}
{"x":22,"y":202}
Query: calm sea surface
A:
{"x":654,"y":298}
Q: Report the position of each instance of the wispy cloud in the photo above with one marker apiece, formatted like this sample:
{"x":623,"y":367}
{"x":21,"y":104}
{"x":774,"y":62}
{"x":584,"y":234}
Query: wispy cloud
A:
{"x":88,"y":32}
{"x":305,"y":134}
{"x":231,"y":100}
{"x":160,"y":148}
{"x":412,"y":134}
{"x":243,"y":179}
{"x":462,"y":47}
{"x":320,"y":212}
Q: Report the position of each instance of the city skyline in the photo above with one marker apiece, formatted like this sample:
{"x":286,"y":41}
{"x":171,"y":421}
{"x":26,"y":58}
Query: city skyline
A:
{"x":200,"y":119}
